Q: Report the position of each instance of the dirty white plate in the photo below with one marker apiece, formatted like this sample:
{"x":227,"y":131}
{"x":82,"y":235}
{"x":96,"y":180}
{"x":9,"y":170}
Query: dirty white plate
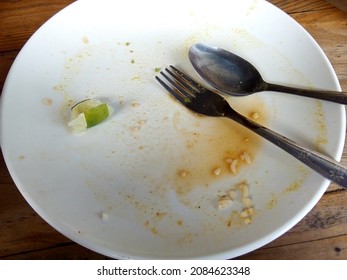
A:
{"x":144,"y":183}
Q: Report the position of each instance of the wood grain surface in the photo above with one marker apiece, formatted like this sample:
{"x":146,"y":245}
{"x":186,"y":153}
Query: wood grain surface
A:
{"x":322,"y":234}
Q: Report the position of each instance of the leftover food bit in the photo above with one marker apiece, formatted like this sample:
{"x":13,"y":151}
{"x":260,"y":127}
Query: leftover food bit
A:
{"x":241,"y":191}
{"x":88,"y":113}
{"x":224,"y":202}
{"x":47,"y":101}
{"x":183,"y":173}
{"x":233,"y":165}
{"x":246,"y":157}
{"x":135,"y":104}
{"x":255,"y":115}
{"x":104,"y":216}
{"x":234,"y":162}
{"x":217,"y":171}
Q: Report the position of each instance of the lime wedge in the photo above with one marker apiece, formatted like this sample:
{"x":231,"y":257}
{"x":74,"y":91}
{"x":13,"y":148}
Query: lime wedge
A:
{"x":88,"y":113}
{"x":78,"y":124}
{"x":96,"y":114}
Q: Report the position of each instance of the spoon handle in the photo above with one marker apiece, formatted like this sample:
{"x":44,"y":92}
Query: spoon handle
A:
{"x":326,"y":166}
{"x":333,"y":96}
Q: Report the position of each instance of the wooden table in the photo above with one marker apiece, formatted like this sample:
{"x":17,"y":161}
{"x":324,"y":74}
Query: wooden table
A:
{"x":322,"y":234}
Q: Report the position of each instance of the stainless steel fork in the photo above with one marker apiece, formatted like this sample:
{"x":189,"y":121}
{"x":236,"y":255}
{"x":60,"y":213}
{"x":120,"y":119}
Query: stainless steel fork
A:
{"x":205,"y":102}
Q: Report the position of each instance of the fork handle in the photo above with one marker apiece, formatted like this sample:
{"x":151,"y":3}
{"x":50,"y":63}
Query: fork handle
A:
{"x":327,"y":167}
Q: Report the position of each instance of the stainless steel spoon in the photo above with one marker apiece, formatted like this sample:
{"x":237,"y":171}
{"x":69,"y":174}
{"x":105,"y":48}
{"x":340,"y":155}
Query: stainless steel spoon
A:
{"x":234,"y":75}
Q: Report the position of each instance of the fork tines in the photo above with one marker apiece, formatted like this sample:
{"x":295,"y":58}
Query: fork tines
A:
{"x":186,"y":78}
{"x":181,"y":86}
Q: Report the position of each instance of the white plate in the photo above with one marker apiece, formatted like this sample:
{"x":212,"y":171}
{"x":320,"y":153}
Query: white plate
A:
{"x":118,"y":188}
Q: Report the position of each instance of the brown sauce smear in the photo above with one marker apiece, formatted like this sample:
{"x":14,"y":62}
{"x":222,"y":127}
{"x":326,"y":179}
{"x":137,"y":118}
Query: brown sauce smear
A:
{"x":212,"y":144}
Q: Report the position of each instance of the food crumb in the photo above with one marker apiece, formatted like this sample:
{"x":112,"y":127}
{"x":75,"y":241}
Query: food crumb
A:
{"x":183,"y":173}
{"x":224,"y":202}
{"x":255,"y":115}
{"x":244,"y":189}
{"x":244,"y":214}
{"x":233,"y":166}
{"x":231,"y":194}
{"x":240,"y":191}
{"x":135,"y":128}
{"x":247,"y":202}
{"x":85,"y":40}
{"x":104,"y":216}
{"x":160,"y":215}
{"x":246,"y":157}
{"x":47,"y":101}
{"x":251,"y":211}
{"x":135,"y":104}
{"x":142,"y":122}
{"x":217,"y":171}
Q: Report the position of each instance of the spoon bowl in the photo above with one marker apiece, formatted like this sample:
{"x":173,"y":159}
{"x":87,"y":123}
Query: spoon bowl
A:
{"x":233,"y":75}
